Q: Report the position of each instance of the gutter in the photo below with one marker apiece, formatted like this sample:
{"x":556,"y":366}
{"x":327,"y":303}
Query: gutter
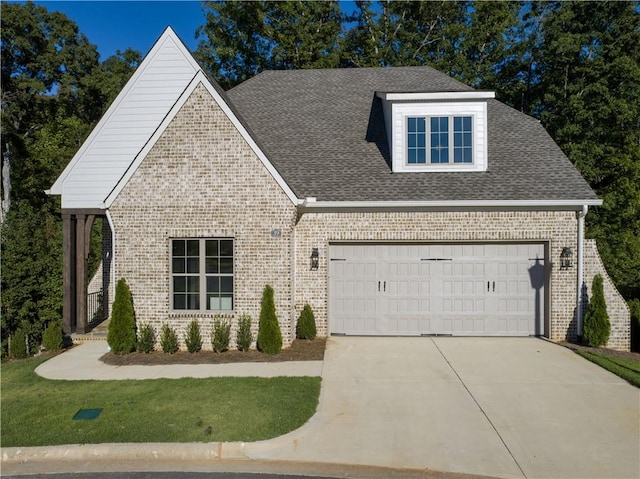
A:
{"x":580,"y":273}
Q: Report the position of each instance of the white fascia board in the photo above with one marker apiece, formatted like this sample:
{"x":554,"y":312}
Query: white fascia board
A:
{"x":168,"y":33}
{"x":200,"y":78}
{"x":455,"y":204}
{"x":444,"y":95}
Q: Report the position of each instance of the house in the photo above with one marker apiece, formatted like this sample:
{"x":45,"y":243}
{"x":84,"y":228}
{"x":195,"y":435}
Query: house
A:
{"x":394,"y":201}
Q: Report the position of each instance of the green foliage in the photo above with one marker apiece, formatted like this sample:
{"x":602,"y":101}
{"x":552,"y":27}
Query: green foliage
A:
{"x":221,"y":335}
{"x":269,"y":335}
{"x":122,"y":327}
{"x":52,"y":337}
{"x":306,"y":326}
{"x":146,"y":338}
{"x":18,"y":345}
{"x":634,"y":307}
{"x":596,"y":327}
{"x":192,"y":337}
{"x":244,"y":337}
{"x":169,"y":339}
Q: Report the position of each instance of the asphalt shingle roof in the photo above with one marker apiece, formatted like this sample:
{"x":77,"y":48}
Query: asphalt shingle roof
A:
{"x":324,"y":132}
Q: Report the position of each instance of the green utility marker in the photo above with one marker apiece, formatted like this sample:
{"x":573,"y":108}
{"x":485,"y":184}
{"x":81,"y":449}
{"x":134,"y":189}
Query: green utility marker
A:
{"x":87,"y":414}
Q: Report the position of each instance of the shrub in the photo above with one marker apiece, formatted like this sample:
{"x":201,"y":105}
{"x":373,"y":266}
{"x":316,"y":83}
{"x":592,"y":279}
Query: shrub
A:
{"x":596,"y":327}
{"x":52,"y":336}
{"x":269,"y":335}
{"x":122,"y":327}
{"x":18,"y":345}
{"x":244,"y":338}
{"x":220,"y":335}
{"x":193,"y":338}
{"x":634,"y":306}
{"x":146,"y":338}
{"x":306,"y":327}
{"x":168,"y":339}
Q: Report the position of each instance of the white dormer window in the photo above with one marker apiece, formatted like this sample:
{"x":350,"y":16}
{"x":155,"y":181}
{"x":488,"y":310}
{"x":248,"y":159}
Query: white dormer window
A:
{"x":437,"y":131}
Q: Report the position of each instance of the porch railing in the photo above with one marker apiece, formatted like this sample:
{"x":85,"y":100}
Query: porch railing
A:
{"x":96,"y":312}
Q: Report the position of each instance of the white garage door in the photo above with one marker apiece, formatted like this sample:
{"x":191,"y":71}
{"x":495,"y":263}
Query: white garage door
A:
{"x":459,"y":289}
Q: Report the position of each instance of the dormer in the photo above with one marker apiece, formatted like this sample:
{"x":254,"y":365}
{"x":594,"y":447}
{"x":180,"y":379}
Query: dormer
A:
{"x":437,"y":131}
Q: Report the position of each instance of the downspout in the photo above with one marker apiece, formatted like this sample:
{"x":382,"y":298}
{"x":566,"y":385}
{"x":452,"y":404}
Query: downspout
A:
{"x":113,"y":251}
{"x":580,"y":273}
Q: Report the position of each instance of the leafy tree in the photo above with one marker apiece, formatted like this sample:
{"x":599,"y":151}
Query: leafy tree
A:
{"x":634,"y":307}
{"x":193,"y":338}
{"x":146,"y":338}
{"x":122,"y":327}
{"x":244,"y":337}
{"x":220,"y":335}
{"x":18,"y":345}
{"x":596,"y":327}
{"x":241,"y":39}
{"x":169,"y":339}
{"x":269,"y":335}
{"x":52,"y":337}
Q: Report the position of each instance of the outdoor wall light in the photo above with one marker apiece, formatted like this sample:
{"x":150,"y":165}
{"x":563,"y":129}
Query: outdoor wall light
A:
{"x":315,"y":259}
{"x":566,"y":258}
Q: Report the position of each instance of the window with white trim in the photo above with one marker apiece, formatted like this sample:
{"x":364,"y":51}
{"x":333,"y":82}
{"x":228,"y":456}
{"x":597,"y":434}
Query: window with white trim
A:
{"x":439,"y":139}
{"x":201,"y":274}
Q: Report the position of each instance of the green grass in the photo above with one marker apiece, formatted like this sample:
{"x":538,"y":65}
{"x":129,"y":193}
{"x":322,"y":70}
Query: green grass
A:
{"x":627,"y":369}
{"x":39,"y":412}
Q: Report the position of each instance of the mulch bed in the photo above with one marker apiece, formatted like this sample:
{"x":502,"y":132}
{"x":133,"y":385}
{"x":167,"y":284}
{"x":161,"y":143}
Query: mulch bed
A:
{"x":603,"y":351}
{"x":300,"y":350}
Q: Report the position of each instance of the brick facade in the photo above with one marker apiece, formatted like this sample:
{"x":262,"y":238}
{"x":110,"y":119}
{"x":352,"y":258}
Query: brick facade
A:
{"x":201,"y":179}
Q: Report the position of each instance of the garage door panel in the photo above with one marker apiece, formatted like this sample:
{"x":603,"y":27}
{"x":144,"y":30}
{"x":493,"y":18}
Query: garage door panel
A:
{"x":467,"y":289}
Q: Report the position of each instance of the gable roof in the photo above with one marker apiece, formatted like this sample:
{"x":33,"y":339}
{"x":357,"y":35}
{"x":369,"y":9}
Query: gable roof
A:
{"x":324,"y":131}
{"x":127,"y":125}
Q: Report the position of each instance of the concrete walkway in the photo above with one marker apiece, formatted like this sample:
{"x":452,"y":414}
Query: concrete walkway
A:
{"x":503,"y":407}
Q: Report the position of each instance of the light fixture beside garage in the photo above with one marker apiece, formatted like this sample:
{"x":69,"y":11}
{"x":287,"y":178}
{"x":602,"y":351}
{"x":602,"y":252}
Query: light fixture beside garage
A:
{"x":566,"y":258}
{"x":315,"y":259}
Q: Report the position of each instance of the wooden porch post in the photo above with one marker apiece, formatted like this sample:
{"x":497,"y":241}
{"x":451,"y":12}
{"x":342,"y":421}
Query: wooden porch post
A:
{"x":68,"y":273}
{"x":81,"y":275}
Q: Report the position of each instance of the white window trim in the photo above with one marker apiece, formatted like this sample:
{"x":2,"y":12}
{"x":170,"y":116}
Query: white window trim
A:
{"x":402,"y":111}
{"x":202,"y":275}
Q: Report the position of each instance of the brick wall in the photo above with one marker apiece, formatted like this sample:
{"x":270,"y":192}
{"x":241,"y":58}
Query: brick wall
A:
{"x":201,"y":180}
{"x":617,"y":308}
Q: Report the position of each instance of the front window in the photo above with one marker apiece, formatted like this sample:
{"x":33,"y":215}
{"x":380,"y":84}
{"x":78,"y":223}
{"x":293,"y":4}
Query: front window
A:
{"x":202,"y":274}
{"x":447,"y":139}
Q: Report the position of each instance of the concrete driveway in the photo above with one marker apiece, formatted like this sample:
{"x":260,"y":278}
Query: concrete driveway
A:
{"x":506,"y":407}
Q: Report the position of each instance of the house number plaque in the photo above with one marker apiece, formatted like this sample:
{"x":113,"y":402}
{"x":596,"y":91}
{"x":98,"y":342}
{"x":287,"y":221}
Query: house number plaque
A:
{"x":276,"y":233}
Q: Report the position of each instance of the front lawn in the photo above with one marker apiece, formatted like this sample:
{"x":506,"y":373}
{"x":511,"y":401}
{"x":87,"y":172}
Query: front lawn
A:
{"x":628,"y":369}
{"x":39,"y":412}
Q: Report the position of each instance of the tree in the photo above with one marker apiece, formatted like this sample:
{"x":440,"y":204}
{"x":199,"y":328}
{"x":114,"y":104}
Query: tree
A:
{"x":241,"y":39}
{"x":122,"y":327}
{"x":596,"y":327}
{"x":269,"y":335}
{"x":306,"y":326}
{"x":591,"y":107}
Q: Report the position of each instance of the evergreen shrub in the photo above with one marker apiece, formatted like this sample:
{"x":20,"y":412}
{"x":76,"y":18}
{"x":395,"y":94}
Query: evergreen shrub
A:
{"x":269,"y":335}
{"x":596,"y":327}
{"x":146,"y":338}
{"x":244,"y":338}
{"x":169,"y":339}
{"x":122,"y":327}
{"x":52,"y":336}
{"x":221,"y":335}
{"x":306,"y":326}
{"x":193,"y":338}
{"x":18,"y":345}
{"x":634,"y":306}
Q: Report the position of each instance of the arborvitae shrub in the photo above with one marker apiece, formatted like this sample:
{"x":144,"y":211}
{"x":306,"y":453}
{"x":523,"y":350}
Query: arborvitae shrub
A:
{"x":168,"y":339}
{"x":244,"y":338}
{"x":122,"y":327}
{"x":52,"y":336}
{"x":269,"y":335}
{"x":146,"y":338}
{"x":596,"y":327}
{"x":634,"y":306}
{"x":221,"y":335}
{"x":306,"y":327}
{"x":193,"y":338}
{"x":18,"y":345}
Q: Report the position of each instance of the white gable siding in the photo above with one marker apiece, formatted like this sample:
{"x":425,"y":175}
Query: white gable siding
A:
{"x":128,"y":124}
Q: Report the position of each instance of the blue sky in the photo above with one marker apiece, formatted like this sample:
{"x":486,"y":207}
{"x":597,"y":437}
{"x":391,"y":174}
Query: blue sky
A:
{"x":117,"y":25}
